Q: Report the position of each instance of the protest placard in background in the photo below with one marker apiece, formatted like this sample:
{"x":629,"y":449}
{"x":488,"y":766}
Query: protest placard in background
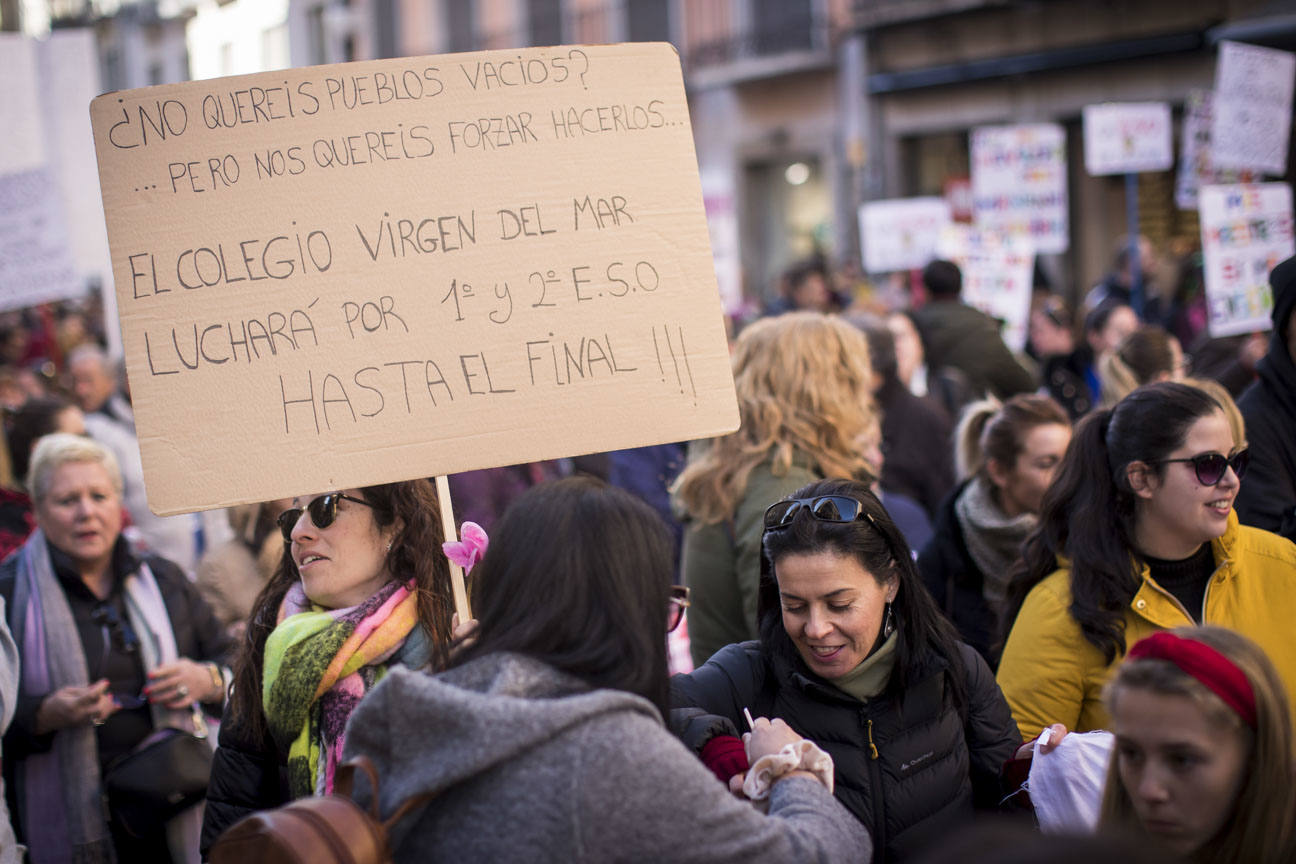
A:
{"x":1127,"y":137}
{"x":368,"y":272}
{"x":1251,"y":120}
{"x":901,"y":233}
{"x":1196,"y":168}
{"x":1246,"y":230}
{"x":997,"y":269}
{"x":1019,"y":182}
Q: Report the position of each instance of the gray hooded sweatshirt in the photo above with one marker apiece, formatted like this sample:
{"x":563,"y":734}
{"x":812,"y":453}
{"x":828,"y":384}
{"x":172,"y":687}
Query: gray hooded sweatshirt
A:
{"x":530,"y":764}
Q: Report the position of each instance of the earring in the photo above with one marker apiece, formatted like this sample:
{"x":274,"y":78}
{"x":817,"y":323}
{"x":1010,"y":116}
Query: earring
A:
{"x":389,"y":547}
{"x":888,"y":625}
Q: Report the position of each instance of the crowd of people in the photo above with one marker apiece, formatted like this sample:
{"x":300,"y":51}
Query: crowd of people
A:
{"x":922,"y":569}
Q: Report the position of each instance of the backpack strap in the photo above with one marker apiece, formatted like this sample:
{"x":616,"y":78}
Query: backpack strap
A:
{"x":344,"y":785}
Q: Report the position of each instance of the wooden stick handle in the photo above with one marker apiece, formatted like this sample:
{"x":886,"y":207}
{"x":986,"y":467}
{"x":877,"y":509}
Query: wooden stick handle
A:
{"x":451,"y":534}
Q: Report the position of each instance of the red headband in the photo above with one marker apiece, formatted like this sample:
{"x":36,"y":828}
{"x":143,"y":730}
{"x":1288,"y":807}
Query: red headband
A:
{"x":1204,"y":663}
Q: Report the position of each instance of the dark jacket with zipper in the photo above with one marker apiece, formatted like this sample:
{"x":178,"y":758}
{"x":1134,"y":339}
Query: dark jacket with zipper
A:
{"x":911,"y":769}
{"x":956,"y":583}
{"x":249,"y":773}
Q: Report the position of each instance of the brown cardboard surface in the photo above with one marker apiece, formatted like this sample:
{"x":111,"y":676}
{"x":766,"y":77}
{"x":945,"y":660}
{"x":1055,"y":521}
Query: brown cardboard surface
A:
{"x":368,"y":272}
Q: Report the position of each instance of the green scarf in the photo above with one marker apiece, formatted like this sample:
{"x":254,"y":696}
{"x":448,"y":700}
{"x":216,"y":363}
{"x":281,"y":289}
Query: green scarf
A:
{"x":870,"y":677}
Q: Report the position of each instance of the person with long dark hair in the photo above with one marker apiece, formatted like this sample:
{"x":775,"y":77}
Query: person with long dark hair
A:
{"x":1138,"y":534}
{"x":544,"y":740}
{"x":362,"y":587}
{"x":854,"y":654}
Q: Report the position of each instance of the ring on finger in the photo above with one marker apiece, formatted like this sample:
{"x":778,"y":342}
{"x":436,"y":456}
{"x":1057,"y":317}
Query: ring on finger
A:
{"x":182,"y":690}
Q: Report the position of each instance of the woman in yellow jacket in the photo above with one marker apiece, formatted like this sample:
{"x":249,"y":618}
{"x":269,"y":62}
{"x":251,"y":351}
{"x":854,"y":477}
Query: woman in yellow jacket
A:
{"x":1138,"y":534}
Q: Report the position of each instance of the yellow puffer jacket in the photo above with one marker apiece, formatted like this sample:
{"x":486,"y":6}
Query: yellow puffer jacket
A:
{"x":1051,"y":674}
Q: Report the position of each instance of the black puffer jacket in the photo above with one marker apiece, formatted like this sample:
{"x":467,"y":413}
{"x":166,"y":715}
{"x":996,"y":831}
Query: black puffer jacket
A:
{"x":910,"y":771}
{"x":956,"y":583}
{"x":1267,"y":498}
{"x":248,"y":774}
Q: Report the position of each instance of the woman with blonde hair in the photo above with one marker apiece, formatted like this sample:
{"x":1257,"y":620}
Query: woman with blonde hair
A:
{"x":1203,"y":755}
{"x":804,"y":386}
{"x":1147,"y":355}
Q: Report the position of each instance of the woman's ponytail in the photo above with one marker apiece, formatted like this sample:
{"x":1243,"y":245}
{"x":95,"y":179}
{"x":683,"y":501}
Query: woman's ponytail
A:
{"x":968,"y":453}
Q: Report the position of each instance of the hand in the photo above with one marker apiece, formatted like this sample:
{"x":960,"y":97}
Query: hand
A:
{"x":75,"y":706}
{"x":768,"y":736}
{"x":180,"y":683}
{"x":1056,"y":733}
{"x":462,"y":635}
{"x":736,"y":784}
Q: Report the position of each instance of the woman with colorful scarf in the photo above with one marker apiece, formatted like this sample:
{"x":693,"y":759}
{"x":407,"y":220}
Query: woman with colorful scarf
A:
{"x":362,"y":587}
{"x":114,"y":646}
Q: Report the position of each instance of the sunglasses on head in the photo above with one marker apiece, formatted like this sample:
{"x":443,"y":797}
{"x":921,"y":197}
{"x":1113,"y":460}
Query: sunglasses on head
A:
{"x":1211,"y":467}
{"x":678,"y":602}
{"x":825,"y":508}
{"x":323,"y":510}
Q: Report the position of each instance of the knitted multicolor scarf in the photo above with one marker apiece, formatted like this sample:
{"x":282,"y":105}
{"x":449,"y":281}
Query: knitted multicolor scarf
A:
{"x":319,"y":663}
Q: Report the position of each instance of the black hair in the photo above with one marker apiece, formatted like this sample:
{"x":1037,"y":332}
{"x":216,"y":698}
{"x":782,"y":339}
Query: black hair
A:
{"x":578,"y":575}
{"x":880,"y":548}
{"x":415,"y":553}
{"x":1098,"y":317}
{"x":1088,"y":513}
{"x":34,"y":419}
{"x":943,"y":278}
{"x":799,"y":272}
{"x":881,"y":343}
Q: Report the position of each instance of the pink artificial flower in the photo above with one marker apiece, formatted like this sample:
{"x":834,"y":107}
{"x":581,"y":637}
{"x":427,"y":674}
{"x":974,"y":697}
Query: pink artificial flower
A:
{"x":469,"y":548}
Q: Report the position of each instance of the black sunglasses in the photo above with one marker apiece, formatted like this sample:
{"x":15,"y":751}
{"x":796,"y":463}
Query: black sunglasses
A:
{"x":323,"y":510}
{"x":123,"y":637}
{"x":1210,"y":467}
{"x":825,"y":508}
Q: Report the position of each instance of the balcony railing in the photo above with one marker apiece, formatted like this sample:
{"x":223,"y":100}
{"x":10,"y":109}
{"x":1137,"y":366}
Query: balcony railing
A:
{"x":729,"y":39}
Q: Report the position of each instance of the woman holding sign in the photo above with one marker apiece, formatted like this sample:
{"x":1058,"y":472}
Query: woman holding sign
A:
{"x":805,"y":398}
{"x":362,"y":587}
{"x":544,"y":741}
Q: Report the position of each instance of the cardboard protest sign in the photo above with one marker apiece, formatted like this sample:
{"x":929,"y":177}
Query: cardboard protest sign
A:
{"x":1246,"y":230}
{"x":901,"y":233}
{"x":1196,"y":167}
{"x":368,"y":272}
{"x":1019,"y":182}
{"x":1127,"y":138}
{"x":1251,"y":123}
{"x":997,"y":270}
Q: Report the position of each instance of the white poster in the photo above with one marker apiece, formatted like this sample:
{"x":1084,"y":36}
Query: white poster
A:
{"x":1019,"y":182}
{"x":722,"y":224}
{"x":1196,"y":169}
{"x":35,"y":264}
{"x":997,"y":270}
{"x":901,"y":233}
{"x":1246,"y":230}
{"x":1251,"y":127}
{"x":1127,"y":138}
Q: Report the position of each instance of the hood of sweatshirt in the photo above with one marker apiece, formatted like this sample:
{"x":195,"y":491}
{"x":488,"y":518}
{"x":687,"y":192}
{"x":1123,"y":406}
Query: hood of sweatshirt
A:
{"x":429,"y":733}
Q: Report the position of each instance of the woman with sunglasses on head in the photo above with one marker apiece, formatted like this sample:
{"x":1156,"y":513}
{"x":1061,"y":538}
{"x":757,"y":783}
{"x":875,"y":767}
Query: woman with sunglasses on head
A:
{"x":1138,"y":534}
{"x":854,"y":654}
{"x":805,"y":398}
{"x":1202,"y":764}
{"x":362,"y":587}
{"x":115,"y":645}
{"x":544,"y":740}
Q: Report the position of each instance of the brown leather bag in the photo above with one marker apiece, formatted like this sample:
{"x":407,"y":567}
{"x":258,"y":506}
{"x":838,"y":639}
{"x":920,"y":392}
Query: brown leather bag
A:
{"x":315,"y":830}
